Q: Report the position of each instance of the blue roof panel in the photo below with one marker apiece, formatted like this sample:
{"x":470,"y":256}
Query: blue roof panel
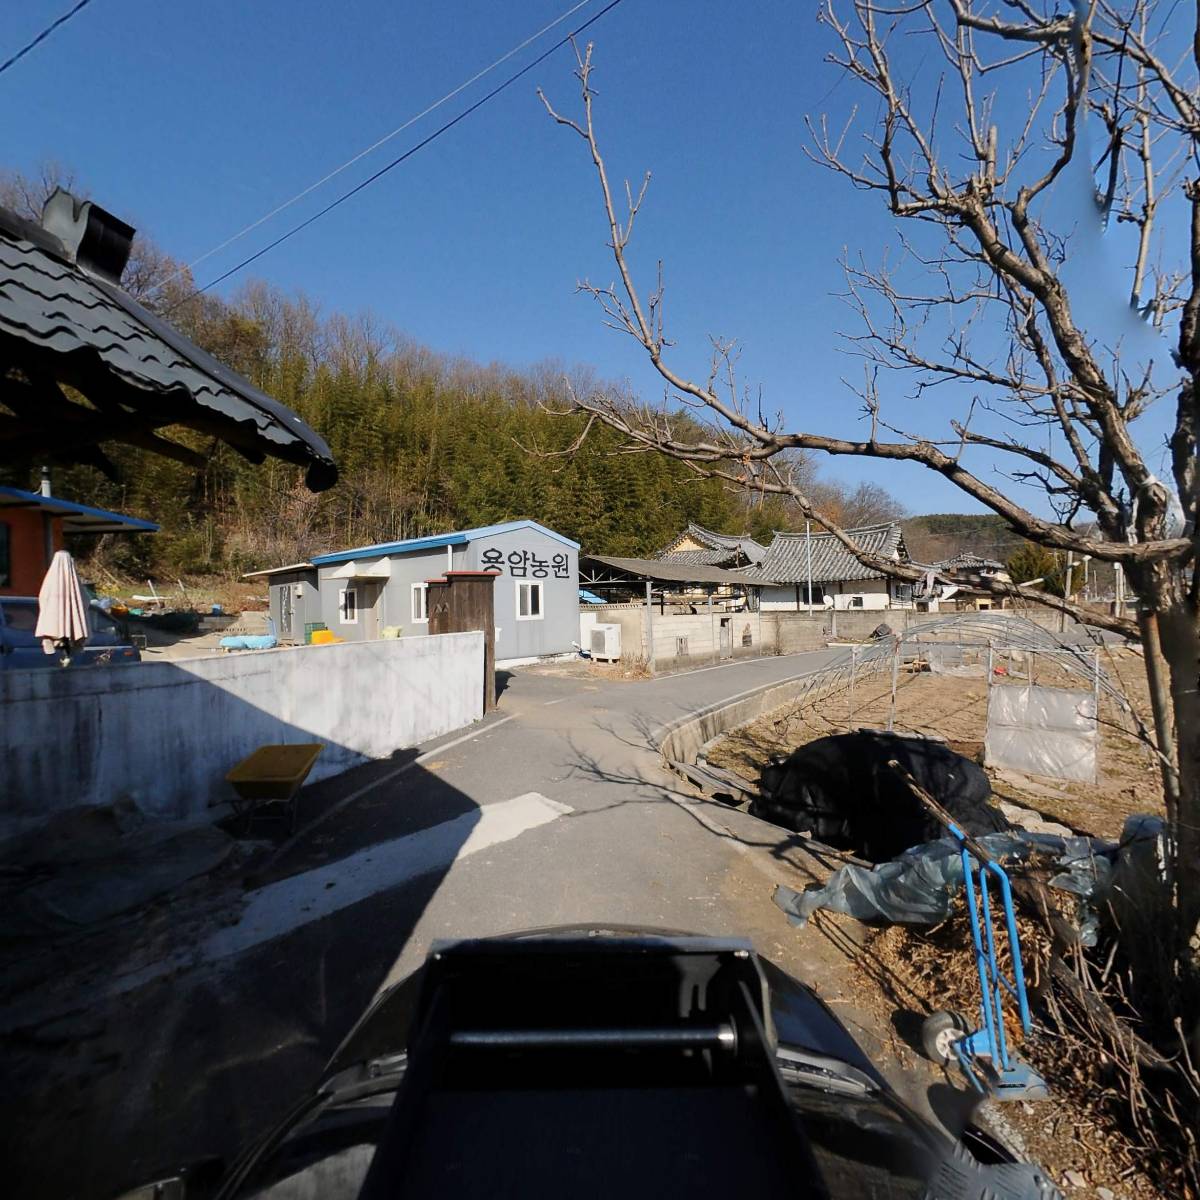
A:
{"x":412,"y":545}
{"x":88,"y":519}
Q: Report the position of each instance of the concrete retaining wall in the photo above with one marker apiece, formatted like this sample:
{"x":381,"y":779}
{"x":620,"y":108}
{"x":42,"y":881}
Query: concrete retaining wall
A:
{"x":681,"y":740}
{"x":166,"y":733}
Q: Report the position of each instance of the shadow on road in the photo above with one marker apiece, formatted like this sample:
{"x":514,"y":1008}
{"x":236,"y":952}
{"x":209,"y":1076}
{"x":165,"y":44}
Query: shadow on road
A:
{"x":200,"y":1062}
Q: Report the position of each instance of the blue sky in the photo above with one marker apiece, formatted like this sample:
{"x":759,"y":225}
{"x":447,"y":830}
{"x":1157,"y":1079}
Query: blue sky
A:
{"x":192,"y":119}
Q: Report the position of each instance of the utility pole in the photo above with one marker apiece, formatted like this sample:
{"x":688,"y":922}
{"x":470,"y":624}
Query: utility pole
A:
{"x":1062,"y":617}
{"x":808,"y":548}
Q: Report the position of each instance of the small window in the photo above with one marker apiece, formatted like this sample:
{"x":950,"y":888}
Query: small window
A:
{"x":529,"y":601}
{"x":903,"y":592}
{"x":5,"y":554}
{"x":348,"y":606}
{"x":420,"y":603}
{"x":101,"y":622}
{"x":856,"y":602}
{"x":21,"y":616}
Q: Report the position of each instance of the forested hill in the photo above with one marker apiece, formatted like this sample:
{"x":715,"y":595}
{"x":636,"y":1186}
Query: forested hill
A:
{"x":939,"y":536}
{"x":423,"y":443}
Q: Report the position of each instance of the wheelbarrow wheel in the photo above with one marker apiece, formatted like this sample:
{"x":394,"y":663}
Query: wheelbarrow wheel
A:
{"x":939,"y":1032}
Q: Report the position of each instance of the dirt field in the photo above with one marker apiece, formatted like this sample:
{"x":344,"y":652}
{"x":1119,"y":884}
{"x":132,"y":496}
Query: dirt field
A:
{"x":955,"y":708}
{"x":909,"y":972}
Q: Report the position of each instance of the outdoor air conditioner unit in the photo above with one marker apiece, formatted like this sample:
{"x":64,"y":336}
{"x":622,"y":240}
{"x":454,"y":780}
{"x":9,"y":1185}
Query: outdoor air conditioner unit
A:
{"x":606,"y":642}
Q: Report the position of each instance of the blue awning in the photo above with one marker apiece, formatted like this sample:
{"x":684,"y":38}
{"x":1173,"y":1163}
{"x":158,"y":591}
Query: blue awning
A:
{"x":76,"y":518}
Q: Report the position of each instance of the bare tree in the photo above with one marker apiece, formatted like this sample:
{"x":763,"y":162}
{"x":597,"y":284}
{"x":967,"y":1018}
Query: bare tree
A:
{"x":965,"y":158}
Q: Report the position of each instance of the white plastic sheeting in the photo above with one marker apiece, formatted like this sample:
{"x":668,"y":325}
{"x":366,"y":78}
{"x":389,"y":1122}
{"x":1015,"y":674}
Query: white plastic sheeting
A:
{"x":1042,"y":731}
{"x":952,"y":658}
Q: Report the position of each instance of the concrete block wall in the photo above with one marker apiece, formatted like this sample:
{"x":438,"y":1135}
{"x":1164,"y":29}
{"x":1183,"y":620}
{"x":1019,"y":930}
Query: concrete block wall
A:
{"x":701,"y":631}
{"x":632,"y":619}
{"x":165,"y":733}
{"x":770,"y":632}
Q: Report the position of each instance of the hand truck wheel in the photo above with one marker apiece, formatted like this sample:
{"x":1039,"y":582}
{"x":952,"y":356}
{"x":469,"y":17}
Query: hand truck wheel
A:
{"x":939,"y":1032}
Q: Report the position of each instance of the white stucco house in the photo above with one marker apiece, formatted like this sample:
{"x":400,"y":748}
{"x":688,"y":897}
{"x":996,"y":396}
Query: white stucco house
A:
{"x":839,"y":580}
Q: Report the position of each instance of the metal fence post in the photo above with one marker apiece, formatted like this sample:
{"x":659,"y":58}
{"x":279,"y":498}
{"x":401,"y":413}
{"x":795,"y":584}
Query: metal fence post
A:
{"x":649,"y":626}
{"x":895,"y":680}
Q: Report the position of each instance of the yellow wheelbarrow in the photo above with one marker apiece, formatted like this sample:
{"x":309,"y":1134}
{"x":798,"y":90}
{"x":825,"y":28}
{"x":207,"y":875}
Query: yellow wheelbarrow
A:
{"x":272,"y":774}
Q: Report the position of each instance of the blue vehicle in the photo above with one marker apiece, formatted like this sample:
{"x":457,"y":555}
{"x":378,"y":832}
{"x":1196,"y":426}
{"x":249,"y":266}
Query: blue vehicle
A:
{"x":20,"y":650}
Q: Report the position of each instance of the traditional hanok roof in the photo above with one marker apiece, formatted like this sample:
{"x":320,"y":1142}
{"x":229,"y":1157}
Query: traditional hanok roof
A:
{"x":721,"y":549}
{"x":787,"y":557}
{"x":64,"y":319}
{"x":969,"y":562}
{"x":599,"y":570}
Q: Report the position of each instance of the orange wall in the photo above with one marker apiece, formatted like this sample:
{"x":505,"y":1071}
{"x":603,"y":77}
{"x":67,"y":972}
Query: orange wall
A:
{"x":27,"y":551}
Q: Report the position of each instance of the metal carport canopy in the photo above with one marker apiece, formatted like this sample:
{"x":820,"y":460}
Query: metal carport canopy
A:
{"x":601,"y":570}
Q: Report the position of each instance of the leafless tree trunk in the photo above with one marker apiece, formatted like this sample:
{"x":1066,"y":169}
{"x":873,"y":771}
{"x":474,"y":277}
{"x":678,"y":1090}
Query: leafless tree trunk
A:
{"x":965,"y":158}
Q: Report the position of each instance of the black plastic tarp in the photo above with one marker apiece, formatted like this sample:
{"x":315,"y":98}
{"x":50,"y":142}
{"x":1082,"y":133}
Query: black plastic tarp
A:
{"x":843,"y":792}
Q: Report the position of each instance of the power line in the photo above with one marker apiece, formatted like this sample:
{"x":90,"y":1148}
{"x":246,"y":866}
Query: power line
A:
{"x":41,"y":37}
{"x":466,"y":112}
{"x":387,"y":137}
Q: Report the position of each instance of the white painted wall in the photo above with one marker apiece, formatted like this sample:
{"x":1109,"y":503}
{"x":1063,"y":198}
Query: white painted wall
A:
{"x":167,"y":732}
{"x":864,"y":594}
{"x":780,"y":599}
{"x":861,"y":594}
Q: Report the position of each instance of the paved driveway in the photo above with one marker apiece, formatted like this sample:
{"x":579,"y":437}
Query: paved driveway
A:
{"x":556,"y":810}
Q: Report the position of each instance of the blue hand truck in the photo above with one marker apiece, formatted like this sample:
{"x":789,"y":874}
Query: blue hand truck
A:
{"x":983,"y":1052}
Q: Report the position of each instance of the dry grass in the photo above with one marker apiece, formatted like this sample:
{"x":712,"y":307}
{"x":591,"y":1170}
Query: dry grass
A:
{"x":200,"y":591}
{"x":1112,"y":1123}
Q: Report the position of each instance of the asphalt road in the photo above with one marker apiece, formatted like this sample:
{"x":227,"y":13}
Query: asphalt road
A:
{"x":556,"y":810}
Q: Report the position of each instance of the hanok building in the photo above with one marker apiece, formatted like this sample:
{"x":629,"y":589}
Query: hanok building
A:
{"x":793,"y":561}
{"x":701,"y":547}
{"x":381,"y":590}
{"x":939,"y":594}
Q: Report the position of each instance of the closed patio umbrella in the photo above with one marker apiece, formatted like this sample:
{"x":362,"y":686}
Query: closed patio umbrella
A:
{"x":62,"y":609}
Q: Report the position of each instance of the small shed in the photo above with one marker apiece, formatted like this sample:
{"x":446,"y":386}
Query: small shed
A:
{"x":370,"y":591}
{"x":294,"y":599}
{"x":691,"y":627}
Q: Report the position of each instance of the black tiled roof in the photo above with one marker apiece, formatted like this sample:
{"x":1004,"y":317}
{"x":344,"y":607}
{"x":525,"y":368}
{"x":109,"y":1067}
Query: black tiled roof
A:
{"x":786,"y":560}
{"x":968,"y":562}
{"x":86,"y":330}
{"x":723,"y":548}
